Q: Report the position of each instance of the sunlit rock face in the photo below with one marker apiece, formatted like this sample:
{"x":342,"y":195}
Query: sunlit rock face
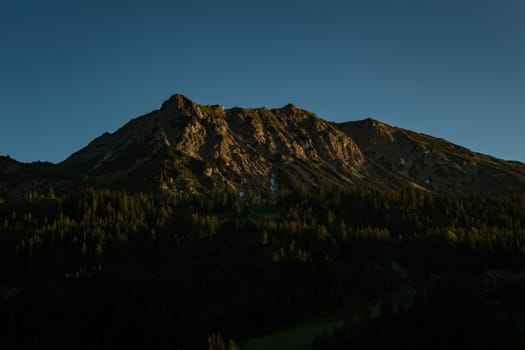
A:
{"x":239,"y":147}
{"x":190,"y":147}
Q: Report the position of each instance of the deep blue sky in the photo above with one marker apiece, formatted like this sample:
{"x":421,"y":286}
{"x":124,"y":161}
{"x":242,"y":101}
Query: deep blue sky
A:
{"x":70,"y":70}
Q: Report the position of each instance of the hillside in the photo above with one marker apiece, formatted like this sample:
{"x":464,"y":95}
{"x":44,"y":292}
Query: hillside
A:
{"x":432,"y":163}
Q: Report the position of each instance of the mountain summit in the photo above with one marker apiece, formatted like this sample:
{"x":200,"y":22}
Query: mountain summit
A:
{"x":189,"y":147}
{"x":186,"y":146}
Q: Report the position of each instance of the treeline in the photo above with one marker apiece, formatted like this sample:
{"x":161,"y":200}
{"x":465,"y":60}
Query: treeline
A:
{"x":105,"y":268}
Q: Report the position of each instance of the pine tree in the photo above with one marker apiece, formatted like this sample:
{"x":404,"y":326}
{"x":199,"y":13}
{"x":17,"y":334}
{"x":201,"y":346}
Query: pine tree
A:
{"x":232,"y":345}
{"x":215,"y":342}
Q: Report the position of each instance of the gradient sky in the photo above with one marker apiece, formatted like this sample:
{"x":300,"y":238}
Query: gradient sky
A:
{"x":71,"y":70}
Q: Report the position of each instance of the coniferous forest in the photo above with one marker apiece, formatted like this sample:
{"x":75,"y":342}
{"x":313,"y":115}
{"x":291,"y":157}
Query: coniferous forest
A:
{"x":106,"y":268}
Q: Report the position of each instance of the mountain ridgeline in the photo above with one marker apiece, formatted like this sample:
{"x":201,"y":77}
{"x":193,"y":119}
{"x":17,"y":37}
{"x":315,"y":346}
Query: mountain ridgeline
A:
{"x":192,"y":148}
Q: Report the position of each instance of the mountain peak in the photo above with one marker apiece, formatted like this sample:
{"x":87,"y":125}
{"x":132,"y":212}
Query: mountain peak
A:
{"x":178,"y":102}
{"x":240,"y":147}
{"x":371,"y":127}
{"x":371,"y":122}
{"x":289,"y":107}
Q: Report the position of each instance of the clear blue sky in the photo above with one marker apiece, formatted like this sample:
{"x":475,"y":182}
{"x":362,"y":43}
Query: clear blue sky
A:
{"x":71,"y":70}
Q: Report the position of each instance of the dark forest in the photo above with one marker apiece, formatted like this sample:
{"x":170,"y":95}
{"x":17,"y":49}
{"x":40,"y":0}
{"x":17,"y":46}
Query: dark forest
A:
{"x":105,"y":268}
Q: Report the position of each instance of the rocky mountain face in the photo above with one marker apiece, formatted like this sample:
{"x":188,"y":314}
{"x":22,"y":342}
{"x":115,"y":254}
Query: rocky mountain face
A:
{"x":189,"y":147}
{"x":431,"y":163}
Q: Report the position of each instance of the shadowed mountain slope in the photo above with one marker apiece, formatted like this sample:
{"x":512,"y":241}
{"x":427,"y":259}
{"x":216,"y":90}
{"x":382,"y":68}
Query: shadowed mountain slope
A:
{"x":432,"y":163}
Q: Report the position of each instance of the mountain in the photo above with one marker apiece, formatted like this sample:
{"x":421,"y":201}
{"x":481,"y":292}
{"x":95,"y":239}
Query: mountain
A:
{"x":20,"y":177}
{"x":297,"y":222}
{"x":190,"y":147}
{"x":432,"y":163}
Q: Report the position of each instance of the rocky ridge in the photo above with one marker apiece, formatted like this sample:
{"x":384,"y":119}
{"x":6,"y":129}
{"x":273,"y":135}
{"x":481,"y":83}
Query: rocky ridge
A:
{"x":432,"y":163}
{"x":190,"y":147}
{"x":239,"y":147}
